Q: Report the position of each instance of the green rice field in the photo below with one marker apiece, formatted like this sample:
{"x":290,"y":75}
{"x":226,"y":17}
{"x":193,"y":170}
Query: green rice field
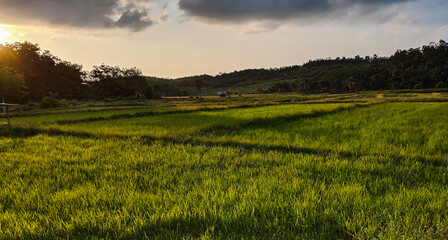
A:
{"x":261,"y":167}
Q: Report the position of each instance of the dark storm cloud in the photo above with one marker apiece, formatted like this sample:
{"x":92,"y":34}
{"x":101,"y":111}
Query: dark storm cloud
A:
{"x":135,"y":20}
{"x":278,"y":10}
{"x":129,"y":14}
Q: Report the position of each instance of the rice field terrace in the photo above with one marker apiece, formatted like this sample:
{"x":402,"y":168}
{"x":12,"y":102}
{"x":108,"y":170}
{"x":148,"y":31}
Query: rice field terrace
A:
{"x":341,"y":166}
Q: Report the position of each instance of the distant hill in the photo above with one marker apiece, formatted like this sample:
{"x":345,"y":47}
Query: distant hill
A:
{"x":245,"y":81}
{"x":416,"y":68}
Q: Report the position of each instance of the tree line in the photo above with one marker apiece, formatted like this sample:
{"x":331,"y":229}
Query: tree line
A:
{"x":415,"y":68}
{"x":28,"y":73}
{"x":36,"y":73}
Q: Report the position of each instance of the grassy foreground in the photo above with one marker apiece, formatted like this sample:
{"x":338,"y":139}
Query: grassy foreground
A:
{"x":296,"y":171}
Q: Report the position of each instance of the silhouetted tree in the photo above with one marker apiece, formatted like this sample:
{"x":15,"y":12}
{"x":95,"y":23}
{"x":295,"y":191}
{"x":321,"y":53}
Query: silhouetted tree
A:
{"x":199,"y":85}
{"x":42,"y":71}
{"x":115,"y":81}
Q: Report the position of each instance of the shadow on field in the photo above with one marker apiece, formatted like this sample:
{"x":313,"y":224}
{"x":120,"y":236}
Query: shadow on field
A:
{"x":264,"y":122}
{"x":395,"y":160}
{"x":157,"y":113}
{"x":197,"y":140}
{"x":27,"y":131}
{"x":182,"y":111}
{"x":261,"y":224}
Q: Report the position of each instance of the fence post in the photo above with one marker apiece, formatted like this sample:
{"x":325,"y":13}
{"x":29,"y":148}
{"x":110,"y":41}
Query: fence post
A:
{"x":7,"y":116}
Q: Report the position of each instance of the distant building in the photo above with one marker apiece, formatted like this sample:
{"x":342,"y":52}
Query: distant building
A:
{"x":223,"y":94}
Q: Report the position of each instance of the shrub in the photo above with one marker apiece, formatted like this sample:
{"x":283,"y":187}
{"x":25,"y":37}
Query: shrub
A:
{"x":441,"y":85}
{"x":64,"y":103}
{"x":280,"y":88}
{"x":261,"y":90}
{"x":50,"y":101}
{"x":418,"y":86}
{"x":74,"y":102}
{"x":30,"y":106}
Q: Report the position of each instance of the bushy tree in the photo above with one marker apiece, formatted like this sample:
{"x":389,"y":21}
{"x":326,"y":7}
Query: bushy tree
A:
{"x":116,"y":81}
{"x":42,"y":71}
{"x":12,"y":85}
{"x":199,"y":85}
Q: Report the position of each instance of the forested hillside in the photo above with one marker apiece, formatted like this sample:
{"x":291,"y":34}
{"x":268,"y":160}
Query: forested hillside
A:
{"x":416,"y":68}
{"x":28,"y":73}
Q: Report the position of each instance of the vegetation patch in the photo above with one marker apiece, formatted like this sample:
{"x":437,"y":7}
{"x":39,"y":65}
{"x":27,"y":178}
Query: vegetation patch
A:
{"x":300,"y":171}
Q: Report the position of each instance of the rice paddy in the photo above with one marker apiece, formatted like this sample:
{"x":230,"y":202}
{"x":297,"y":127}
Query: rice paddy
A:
{"x":354,"y":169}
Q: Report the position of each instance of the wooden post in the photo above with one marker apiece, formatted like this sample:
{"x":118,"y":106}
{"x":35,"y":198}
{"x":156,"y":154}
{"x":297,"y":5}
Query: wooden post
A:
{"x":7,"y":116}
{"x":5,"y":107}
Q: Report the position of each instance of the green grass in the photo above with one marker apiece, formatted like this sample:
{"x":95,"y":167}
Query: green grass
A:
{"x":402,"y":128}
{"x":123,"y":109}
{"x":297,"y":171}
{"x":180,"y":125}
{"x":86,"y":114}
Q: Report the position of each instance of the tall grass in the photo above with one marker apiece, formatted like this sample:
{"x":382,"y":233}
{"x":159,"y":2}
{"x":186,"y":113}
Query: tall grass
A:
{"x":185,"y":124}
{"x":329,"y":171}
{"x":412,"y":129}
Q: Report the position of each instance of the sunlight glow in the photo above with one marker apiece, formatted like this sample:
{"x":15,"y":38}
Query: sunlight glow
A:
{"x":5,"y":33}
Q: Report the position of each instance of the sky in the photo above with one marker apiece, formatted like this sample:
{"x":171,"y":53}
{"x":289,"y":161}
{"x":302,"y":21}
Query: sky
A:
{"x":175,"y":38}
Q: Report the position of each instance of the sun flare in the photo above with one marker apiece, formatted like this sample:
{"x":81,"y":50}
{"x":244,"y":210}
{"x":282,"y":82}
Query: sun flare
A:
{"x":5,"y":34}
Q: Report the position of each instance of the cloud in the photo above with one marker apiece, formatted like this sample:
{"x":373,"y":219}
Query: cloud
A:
{"x":134,"y":19}
{"x":260,"y":28}
{"x":163,"y":17}
{"x":128,"y":14}
{"x":238,"y":11}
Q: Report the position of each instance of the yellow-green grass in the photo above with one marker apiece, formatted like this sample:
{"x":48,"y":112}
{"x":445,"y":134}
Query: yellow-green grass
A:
{"x":85,"y":115}
{"x":303,"y":171}
{"x":399,"y":128}
{"x":103,"y":110}
{"x":182,"y":125}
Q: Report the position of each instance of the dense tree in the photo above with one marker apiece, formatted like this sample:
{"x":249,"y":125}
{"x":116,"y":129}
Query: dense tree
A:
{"x":199,"y":85}
{"x":43,"y":72}
{"x":12,"y":85}
{"x":116,"y":81}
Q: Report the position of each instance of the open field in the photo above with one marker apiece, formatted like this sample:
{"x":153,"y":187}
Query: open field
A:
{"x":372,"y":166}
